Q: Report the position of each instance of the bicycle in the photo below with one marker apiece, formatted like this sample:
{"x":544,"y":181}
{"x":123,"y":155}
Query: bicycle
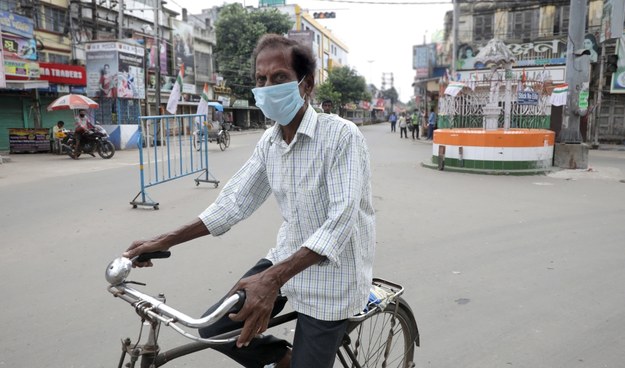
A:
{"x":201,"y":136}
{"x":385,"y":334}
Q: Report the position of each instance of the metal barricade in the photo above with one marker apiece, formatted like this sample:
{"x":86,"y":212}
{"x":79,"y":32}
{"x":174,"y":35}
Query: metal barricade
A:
{"x":166,"y":153}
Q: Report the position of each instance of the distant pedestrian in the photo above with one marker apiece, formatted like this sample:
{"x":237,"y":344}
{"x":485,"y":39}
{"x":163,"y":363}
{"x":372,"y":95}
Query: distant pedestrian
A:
{"x":403,"y":126}
{"x":393,"y":119}
{"x":326,"y":106}
{"x":57,"y":136}
{"x":431,"y":124}
{"x":415,"y":121}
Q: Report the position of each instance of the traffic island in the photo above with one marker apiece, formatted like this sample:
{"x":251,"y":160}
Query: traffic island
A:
{"x":493,"y":152}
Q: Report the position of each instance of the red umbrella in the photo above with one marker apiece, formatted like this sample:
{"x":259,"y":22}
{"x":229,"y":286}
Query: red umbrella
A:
{"x":72,"y":102}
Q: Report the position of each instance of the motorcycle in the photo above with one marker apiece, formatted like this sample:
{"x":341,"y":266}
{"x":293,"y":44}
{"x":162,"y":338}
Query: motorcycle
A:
{"x":92,"y":140}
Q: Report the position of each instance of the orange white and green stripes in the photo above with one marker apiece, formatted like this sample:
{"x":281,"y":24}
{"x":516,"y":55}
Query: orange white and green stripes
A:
{"x":495,"y":150}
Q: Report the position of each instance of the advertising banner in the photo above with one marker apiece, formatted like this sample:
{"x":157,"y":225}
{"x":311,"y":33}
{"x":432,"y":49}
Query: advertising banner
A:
{"x":618,"y":77}
{"x":131,"y":77}
{"x":20,"y":48}
{"x":29,"y":140}
{"x":102,"y":67}
{"x":115,"y":69}
{"x":183,"y":54}
{"x":612,"y":19}
{"x":16,"y":69}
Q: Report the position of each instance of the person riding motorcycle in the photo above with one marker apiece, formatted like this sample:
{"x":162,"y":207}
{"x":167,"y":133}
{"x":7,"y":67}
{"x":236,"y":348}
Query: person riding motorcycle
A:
{"x":81,"y":126}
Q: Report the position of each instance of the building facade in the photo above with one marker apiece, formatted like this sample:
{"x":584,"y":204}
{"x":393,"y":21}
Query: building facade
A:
{"x":55,"y":47}
{"x":536,"y":33}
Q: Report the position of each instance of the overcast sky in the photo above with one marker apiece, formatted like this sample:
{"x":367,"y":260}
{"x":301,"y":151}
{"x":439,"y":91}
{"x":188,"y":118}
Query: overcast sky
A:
{"x":379,"y":36}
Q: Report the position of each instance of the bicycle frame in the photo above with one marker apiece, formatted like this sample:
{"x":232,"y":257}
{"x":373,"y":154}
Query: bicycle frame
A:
{"x":155,"y":311}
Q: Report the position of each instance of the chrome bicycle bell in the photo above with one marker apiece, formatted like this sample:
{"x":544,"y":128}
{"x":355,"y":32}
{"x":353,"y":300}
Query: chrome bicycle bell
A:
{"x":118,"y":270}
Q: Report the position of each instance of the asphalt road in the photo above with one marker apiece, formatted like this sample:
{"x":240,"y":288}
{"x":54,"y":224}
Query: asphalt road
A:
{"x":500,"y":271}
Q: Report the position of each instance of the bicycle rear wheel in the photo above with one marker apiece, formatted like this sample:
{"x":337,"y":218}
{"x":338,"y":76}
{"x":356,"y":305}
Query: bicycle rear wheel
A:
{"x":385,"y":339}
{"x":224,"y":140}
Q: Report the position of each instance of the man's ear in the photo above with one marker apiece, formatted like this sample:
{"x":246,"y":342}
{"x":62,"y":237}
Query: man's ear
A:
{"x":310,"y":84}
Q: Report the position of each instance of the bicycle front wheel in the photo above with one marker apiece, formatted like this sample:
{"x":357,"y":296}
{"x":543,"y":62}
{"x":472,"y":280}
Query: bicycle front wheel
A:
{"x":385,"y":339}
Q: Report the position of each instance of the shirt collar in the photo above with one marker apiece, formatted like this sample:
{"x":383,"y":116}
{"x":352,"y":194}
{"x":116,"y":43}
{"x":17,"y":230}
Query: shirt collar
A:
{"x":306,"y":127}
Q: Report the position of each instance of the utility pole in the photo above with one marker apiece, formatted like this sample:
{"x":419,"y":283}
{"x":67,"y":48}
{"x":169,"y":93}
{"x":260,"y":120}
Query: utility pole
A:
{"x":577,"y":73}
{"x":598,"y":99}
{"x":455,"y":39}
{"x":569,"y":151}
{"x":120,"y":19}
{"x":157,"y":40}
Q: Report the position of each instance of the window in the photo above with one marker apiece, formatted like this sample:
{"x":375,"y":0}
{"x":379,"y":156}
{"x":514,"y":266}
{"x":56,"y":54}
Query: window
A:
{"x":523,"y":24}
{"x":54,"y":19}
{"x":8,"y":5}
{"x":55,"y":58}
{"x":203,"y":62}
{"x":561,"y":21}
{"x":483,"y":27}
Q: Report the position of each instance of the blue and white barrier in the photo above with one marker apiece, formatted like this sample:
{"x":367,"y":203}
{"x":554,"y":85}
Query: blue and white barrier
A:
{"x":166,"y":153}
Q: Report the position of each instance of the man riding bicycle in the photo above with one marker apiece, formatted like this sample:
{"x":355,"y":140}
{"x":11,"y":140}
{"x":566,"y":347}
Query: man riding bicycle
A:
{"x":317,"y":166}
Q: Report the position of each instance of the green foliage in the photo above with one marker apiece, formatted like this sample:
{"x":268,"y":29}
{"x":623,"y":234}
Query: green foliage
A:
{"x":343,"y":86}
{"x":391,"y":94}
{"x":238,"y":31}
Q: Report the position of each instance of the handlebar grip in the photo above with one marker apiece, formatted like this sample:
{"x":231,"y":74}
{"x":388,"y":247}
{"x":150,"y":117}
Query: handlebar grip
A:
{"x":237,"y":307}
{"x":153,"y":255}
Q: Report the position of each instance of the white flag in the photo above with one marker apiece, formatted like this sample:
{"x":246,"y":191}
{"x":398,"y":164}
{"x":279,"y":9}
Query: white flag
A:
{"x":176,"y":92}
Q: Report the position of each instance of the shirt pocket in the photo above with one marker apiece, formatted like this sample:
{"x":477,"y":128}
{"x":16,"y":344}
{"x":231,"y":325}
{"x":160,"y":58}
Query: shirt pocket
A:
{"x":312,"y":208}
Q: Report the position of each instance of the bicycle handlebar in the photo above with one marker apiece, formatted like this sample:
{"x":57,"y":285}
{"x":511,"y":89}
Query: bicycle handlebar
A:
{"x":119,"y":269}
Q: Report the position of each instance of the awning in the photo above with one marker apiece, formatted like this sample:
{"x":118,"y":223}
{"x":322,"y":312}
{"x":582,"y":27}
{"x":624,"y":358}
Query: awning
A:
{"x":16,"y":84}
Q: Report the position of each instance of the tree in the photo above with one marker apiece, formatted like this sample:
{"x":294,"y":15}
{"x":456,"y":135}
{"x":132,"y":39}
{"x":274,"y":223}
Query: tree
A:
{"x":238,"y":31}
{"x":344,"y":86}
{"x":392,"y":95}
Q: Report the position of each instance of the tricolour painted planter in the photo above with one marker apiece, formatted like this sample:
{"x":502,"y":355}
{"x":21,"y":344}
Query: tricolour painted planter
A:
{"x":513,"y":151}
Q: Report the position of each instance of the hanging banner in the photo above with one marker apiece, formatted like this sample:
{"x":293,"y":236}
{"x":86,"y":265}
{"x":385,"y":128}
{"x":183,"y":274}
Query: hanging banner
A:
{"x":612,"y":19}
{"x":183,"y":54}
{"x":618,"y":77}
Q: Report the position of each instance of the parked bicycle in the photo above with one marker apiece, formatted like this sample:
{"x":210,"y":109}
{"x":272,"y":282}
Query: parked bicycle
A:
{"x":205,"y":134}
{"x":385,"y":334}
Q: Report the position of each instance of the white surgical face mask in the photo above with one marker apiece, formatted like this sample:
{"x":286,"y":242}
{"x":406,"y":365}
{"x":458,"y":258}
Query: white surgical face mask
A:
{"x":280,"y":102}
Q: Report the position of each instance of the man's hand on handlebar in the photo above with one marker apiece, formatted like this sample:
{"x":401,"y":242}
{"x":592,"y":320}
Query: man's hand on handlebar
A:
{"x":261,"y":292}
{"x":139,"y":247}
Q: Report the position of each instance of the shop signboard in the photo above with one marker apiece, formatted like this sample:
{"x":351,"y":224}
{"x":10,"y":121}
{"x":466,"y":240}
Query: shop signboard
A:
{"x":29,"y":140}
{"x":527,"y":98}
{"x":16,"y":69}
{"x":21,"y":48}
{"x":16,"y":24}
{"x":63,"y":74}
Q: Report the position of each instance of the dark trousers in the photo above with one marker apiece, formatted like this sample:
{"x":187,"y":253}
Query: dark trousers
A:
{"x":415,"y":131}
{"x":393,"y":124}
{"x":314,"y":345}
{"x":403,"y":132}
{"x":430,"y":131}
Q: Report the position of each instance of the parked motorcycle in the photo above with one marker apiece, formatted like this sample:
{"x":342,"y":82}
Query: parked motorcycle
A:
{"x":92,"y":140}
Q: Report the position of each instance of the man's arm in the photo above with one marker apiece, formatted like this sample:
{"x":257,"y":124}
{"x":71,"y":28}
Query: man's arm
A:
{"x":190,"y":231}
{"x":262,"y":289}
